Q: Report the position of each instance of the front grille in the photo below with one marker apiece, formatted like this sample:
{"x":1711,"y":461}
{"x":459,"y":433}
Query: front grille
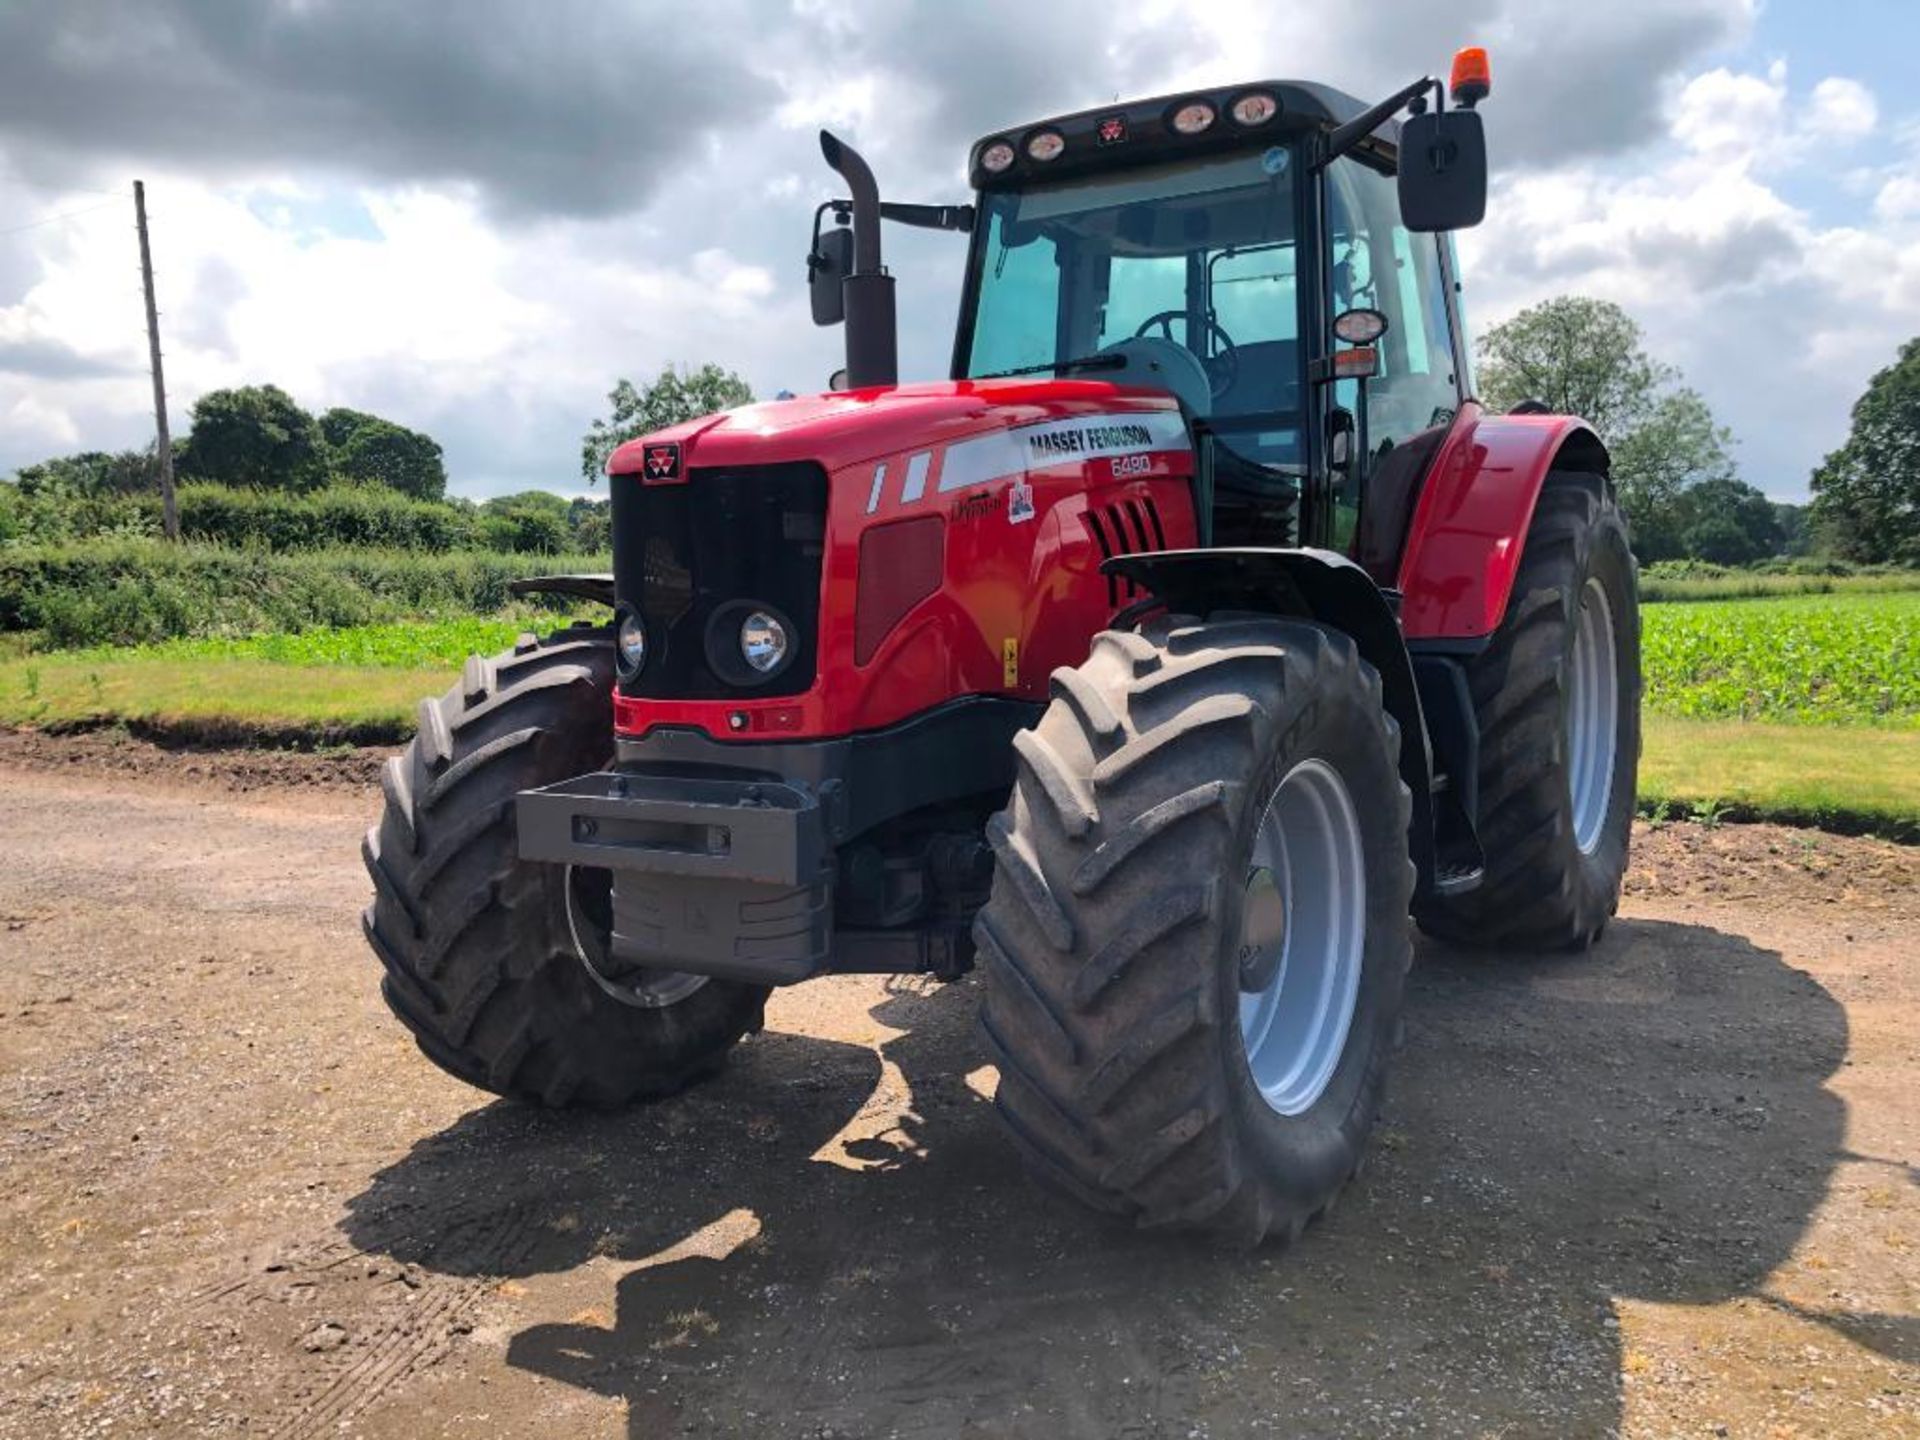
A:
{"x":694,"y":558}
{"x":1126,"y":527}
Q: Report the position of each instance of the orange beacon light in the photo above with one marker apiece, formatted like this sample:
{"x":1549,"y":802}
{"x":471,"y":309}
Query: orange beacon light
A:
{"x":1472,"y":79}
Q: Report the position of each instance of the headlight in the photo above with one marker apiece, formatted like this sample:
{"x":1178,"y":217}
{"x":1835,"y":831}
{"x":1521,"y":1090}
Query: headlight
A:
{"x":1045,"y":145}
{"x":1193,"y":117}
{"x":630,"y":644}
{"x":1254,"y":108}
{"x":763,"y":642}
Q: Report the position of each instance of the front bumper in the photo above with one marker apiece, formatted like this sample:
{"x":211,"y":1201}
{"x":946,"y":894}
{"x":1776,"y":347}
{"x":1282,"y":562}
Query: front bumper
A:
{"x":754,"y":831}
{"x":720,"y":877}
{"x":725,"y":855}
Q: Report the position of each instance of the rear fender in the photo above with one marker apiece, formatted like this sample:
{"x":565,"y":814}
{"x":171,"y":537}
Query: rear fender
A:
{"x":1317,"y":585}
{"x":1470,"y":523}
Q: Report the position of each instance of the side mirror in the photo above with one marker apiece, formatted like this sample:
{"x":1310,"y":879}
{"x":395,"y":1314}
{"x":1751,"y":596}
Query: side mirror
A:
{"x":827,"y":267}
{"x":1443,"y":171}
{"x":838,"y":379}
{"x":1340,"y":428}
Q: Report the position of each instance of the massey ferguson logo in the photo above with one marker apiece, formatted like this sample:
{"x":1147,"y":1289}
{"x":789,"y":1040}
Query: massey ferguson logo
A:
{"x":661,"y":462}
{"x":1112,"y":129}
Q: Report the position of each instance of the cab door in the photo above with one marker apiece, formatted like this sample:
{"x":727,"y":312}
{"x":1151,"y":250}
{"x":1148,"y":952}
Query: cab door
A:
{"x":1394,"y":421}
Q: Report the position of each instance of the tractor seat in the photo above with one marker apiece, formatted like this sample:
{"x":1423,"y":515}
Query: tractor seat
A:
{"x":1268,"y":379}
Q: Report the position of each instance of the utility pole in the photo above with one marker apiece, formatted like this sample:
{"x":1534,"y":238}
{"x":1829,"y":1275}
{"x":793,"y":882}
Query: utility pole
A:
{"x":169,"y":513}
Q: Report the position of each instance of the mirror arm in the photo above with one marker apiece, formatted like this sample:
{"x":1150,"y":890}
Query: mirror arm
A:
{"x":1345,"y":138}
{"x":814,"y":257}
{"x":925,"y":217}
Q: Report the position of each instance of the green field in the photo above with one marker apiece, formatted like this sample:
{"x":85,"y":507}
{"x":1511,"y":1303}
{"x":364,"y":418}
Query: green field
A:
{"x":1804,"y":708}
{"x":1833,"y":659}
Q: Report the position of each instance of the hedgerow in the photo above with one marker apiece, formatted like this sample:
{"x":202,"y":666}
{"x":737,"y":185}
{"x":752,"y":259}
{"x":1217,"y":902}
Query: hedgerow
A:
{"x":136,"y":592}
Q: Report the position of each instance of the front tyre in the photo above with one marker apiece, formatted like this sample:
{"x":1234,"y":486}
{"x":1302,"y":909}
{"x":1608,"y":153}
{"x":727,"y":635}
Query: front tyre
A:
{"x":500,"y":966}
{"x":1197,"y":942}
{"x":1557,"y":695}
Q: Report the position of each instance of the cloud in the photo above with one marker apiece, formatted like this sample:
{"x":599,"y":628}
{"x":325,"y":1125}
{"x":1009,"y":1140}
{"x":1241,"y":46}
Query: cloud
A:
{"x":1776,"y":314}
{"x":1841,"y":109}
{"x":475,"y":217}
{"x":568,"y":107}
{"x":40,"y":358}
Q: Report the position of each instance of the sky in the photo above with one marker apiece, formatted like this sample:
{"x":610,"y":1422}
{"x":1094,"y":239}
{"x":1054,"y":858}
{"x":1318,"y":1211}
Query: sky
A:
{"x":474,"y":217}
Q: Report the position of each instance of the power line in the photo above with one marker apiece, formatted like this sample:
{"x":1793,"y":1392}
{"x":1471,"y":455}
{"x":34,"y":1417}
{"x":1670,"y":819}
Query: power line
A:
{"x":55,"y":219}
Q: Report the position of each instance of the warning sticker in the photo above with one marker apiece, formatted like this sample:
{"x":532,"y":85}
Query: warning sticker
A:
{"x":1019,"y":502}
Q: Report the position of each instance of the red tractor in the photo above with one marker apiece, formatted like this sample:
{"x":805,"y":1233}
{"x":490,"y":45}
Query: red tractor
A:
{"x":1196,"y":634}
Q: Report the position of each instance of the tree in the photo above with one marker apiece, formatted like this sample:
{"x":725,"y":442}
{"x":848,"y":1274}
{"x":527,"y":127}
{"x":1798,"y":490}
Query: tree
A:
{"x":1796,"y":536}
{"x":1578,"y":356}
{"x":379,"y":452}
{"x":255,"y":435}
{"x":1728,"y":522}
{"x":339,"y":423}
{"x":1866,"y":494}
{"x":674,"y":397}
{"x":1585,"y":357}
{"x":533,"y":522}
{"x":93,"y":473}
{"x":1675,"y":447}
{"x":592,"y":523}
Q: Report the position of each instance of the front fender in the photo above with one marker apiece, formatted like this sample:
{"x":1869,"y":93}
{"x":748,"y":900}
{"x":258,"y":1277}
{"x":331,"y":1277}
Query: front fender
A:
{"x":1316,"y":585}
{"x":1470,"y":524}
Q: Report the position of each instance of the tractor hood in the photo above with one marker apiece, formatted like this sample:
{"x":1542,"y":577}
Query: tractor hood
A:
{"x":840,"y":429}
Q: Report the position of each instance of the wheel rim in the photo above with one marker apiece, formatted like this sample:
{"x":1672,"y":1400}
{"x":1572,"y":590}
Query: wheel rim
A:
{"x":1593,"y":717}
{"x":590,"y":924}
{"x":1302,"y":937}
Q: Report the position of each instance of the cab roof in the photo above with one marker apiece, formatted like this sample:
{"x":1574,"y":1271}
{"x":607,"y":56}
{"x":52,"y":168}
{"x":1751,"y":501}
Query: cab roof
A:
{"x":1141,"y":131}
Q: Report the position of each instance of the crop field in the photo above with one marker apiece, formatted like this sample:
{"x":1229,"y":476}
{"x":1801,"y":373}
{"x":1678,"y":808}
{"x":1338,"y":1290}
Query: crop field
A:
{"x":1835,"y":659}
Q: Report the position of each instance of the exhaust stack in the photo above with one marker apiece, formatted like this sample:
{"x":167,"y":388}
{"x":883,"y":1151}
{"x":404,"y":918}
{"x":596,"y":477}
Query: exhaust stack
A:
{"x":873,"y":356}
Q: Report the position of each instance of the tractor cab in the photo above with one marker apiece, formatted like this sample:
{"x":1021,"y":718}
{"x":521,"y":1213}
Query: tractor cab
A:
{"x":1274,"y":255}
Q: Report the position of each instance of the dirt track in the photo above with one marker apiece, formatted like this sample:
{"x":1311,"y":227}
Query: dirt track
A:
{"x":1670,"y":1187}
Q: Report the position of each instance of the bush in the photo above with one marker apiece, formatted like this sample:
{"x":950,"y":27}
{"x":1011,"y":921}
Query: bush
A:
{"x":1805,"y":575}
{"x":131,"y":592}
{"x":49,"y":507}
{"x":341,"y":516}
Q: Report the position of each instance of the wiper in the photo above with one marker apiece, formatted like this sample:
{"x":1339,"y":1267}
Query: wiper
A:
{"x":1105,"y":360}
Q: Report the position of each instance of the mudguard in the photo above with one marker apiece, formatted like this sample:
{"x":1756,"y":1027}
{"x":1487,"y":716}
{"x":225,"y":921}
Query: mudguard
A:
{"x":1315,"y":585}
{"x":1470,"y":522}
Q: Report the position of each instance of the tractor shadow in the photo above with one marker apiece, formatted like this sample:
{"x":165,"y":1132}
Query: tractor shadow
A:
{"x":832,"y":1238}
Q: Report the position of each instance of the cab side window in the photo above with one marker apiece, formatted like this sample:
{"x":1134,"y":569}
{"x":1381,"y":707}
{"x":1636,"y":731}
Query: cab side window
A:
{"x":1379,"y":263}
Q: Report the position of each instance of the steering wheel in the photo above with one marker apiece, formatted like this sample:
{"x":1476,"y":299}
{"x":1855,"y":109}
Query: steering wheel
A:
{"x":1223,"y":366}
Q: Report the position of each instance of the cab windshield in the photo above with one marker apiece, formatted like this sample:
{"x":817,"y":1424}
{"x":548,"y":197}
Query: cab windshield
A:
{"x":1196,"y":259}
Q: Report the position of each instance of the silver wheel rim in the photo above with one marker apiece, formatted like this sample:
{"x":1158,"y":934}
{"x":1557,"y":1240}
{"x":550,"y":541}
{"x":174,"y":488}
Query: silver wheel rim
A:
{"x":644,"y":989}
{"x":1302,"y":937}
{"x":1593,"y":716}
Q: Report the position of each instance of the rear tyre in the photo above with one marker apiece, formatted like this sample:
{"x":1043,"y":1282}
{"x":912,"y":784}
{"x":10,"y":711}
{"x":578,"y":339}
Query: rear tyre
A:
{"x":1197,"y":942}
{"x":498,"y":966}
{"x":1557,"y":693}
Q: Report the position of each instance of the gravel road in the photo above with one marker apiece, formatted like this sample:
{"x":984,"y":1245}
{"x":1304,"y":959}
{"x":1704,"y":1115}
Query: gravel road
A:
{"x":1668,"y":1187}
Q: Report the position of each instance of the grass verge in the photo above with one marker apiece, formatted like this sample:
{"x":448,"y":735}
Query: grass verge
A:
{"x":1656,"y":588}
{"x":1860,"y":780}
{"x":235,"y":701}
